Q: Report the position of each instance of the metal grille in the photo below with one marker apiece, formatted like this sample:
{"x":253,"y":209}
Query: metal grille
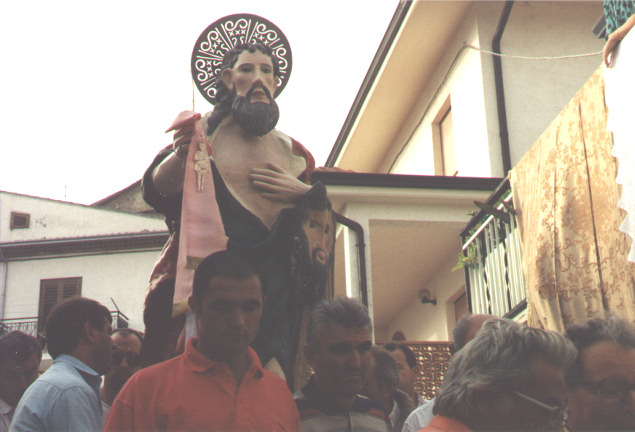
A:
{"x":433,"y":359}
{"x":495,"y":281}
{"x":29,"y":325}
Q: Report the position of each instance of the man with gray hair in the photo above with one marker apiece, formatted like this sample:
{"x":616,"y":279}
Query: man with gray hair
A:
{"x":338,"y":343}
{"x":383,"y":386}
{"x":510,"y":377}
{"x":602,"y":379}
{"x":464,"y":331}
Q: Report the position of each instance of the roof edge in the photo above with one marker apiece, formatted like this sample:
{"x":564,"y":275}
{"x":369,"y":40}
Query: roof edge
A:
{"x":406,"y":181}
{"x":369,"y":79}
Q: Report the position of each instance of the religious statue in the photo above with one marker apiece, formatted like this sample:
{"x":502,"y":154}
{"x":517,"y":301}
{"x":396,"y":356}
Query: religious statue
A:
{"x":231,"y":180}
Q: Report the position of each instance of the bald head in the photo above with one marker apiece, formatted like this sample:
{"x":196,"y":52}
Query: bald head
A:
{"x":466,"y":329}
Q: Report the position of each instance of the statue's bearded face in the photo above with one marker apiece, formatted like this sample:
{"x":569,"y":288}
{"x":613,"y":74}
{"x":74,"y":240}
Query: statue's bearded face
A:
{"x":256,"y":118}
{"x":253,"y":85}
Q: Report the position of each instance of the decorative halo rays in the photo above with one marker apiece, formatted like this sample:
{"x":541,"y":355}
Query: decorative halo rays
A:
{"x":223,"y":35}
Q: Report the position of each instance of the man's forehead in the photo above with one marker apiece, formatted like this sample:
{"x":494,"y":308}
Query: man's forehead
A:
{"x":606,"y":357}
{"x":333,"y":333}
{"x":229,"y":288}
{"x":129,"y":342}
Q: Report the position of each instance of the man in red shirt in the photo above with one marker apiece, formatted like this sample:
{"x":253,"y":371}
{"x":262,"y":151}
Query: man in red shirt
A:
{"x":218,"y":384}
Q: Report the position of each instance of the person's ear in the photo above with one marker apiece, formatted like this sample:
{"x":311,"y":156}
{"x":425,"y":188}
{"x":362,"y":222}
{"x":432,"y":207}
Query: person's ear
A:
{"x":227,"y":77}
{"x":487,"y":403}
{"x":90,"y":333}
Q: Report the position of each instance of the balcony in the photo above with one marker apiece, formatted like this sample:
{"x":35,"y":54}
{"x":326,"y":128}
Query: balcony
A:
{"x":492,"y":258}
{"x":30,"y":325}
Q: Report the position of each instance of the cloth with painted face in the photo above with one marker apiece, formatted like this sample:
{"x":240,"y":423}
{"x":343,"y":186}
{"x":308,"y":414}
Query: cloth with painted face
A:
{"x":260,"y":176}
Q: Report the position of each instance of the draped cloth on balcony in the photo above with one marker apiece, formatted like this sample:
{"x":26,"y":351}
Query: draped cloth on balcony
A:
{"x":620,"y":96}
{"x":574,"y":255}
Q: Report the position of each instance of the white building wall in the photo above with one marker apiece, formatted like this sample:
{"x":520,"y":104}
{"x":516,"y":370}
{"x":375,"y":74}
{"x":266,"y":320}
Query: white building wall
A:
{"x":51,"y":219}
{"x":427,"y":322}
{"x":535,"y":91}
{"x":464,"y":88}
{"x":120,"y":276}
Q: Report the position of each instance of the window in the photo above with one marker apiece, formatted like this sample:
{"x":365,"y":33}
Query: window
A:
{"x":443,"y":142}
{"x":19,"y":220}
{"x":53,"y":292}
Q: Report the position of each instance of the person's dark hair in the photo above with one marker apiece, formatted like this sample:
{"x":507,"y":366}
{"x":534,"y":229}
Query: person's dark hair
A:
{"x":498,"y":358}
{"x":65,"y":323}
{"x":231,"y":265}
{"x":127,"y":332}
{"x":18,"y":346}
{"x":223,"y":94}
{"x":386,"y":368}
{"x":411,"y":359}
{"x":342,"y":311}
{"x":612,"y":329}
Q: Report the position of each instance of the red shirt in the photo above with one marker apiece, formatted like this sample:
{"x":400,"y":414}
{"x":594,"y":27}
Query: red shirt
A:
{"x":191,"y":392}
{"x":445,"y":424}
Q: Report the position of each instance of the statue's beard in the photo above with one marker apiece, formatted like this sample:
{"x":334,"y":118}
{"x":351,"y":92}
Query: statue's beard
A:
{"x":257,"y":118}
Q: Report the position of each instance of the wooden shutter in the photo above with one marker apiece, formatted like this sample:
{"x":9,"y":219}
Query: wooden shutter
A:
{"x":53,"y":292}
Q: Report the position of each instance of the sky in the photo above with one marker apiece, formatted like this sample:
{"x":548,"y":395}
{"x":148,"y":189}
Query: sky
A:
{"x":87,"y":88}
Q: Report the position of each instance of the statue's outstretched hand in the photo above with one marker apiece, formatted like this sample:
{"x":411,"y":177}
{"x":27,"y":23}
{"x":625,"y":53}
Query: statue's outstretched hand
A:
{"x":277,"y":184}
{"x":182,"y":139}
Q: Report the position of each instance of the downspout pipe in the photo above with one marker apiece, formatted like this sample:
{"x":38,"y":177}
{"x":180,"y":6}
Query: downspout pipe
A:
{"x":3,"y":288}
{"x":500,"y":89}
{"x":361,"y":253}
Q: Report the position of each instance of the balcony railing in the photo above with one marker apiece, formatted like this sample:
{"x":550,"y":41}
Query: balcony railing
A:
{"x":493,"y":259}
{"x":29,"y":325}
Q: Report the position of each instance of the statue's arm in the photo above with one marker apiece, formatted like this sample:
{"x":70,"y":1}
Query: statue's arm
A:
{"x":169,"y":205}
{"x":168,"y":176}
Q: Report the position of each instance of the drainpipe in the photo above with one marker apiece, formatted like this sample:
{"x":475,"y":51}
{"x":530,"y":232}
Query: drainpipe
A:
{"x":500,"y":90}
{"x":3,"y":288}
{"x":361,"y":254}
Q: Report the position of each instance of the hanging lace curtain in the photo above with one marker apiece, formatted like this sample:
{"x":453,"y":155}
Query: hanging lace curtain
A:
{"x":620,"y":99}
{"x":574,"y":255}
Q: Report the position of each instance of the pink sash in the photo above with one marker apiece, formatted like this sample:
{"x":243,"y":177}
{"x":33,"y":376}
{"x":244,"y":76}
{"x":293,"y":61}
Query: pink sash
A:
{"x":202,"y":232}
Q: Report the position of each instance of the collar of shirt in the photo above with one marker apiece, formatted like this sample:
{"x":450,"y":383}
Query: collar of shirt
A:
{"x":197,"y":362}
{"x":91,"y":377}
{"x":327,"y":405}
{"x":394,"y":413}
{"x":5,"y":408}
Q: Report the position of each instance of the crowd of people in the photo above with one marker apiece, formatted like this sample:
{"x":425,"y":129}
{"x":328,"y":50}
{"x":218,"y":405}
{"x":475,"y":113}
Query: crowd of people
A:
{"x":503,"y":376}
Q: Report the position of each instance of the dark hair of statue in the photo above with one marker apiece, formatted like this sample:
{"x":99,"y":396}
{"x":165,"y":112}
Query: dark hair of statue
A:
{"x":18,"y":346}
{"x":226,"y":264}
{"x":223,"y":94}
{"x":65,"y":323}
